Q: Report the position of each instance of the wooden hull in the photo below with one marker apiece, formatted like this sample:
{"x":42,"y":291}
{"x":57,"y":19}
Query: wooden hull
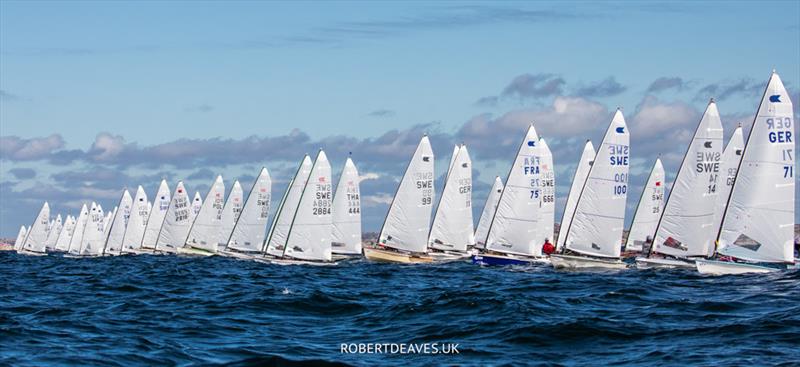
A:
{"x":655,"y":263}
{"x":377,"y":255}
{"x":713,"y":267}
{"x":506,"y":260}
{"x":585,"y":263}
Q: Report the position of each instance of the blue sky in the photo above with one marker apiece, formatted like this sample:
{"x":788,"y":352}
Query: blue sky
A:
{"x":95,"y":96}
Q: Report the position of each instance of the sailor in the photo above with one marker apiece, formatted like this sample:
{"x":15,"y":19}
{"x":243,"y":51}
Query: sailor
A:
{"x":548,"y":247}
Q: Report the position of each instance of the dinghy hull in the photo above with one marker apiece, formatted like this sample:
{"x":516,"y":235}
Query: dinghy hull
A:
{"x":31,"y":253}
{"x":655,"y":263}
{"x":581,"y":262}
{"x":377,"y":255}
{"x":191,"y":251}
{"x":239,"y":254}
{"x":301,"y":262}
{"x":448,"y":256}
{"x":714,"y":267}
{"x":506,"y":260}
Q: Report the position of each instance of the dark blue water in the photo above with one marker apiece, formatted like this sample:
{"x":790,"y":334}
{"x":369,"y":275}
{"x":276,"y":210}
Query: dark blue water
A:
{"x":146,"y":310}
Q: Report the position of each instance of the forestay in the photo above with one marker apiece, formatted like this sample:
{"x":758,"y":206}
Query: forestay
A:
{"x":759,"y":222}
{"x":346,"y":235}
{"x":488,"y":213}
{"x":204,"y":233}
{"x":516,"y":222}
{"x":309,"y":236}
{"x":596,"y":227}
{"x":581,"y":172}
{"x":452,"y":223}
{"x":248,"y":232}
{"x":176,"y":222}
{"x":648,"y":212}
{"x":408,"y":221}
{"x":276,"y":242}
{"x":155,"y":219}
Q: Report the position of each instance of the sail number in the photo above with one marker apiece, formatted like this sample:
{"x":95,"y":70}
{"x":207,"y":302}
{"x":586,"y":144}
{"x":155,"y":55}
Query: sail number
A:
{"x":424,"y":182}
{"x":322,"y":200}
{"x":618,"y":154}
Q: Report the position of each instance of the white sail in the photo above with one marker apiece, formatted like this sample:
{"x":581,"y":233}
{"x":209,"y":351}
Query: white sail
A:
{"x":176,"y":222}
{"x":581,"y":172}
{"x":488,"y":213}
{"x":248,"y":232}
{"x":107,"y":224}
{"x":685,"y":228}
{"x":204,"y":233}
{"x":309,"y":236}
{"x":346,"y":236}
{"x":648,"y":211}
{"x":759,"y":221}
{"x":67,"y":231}
{"x":230,"y":213}
{"x":53,"y":233}
{"x":20,"y":238}
{"x":596,"y":227}
{"x":408,"y":220}
{"x":452,"y":223}
{"x":515,"y":223}
{"x":276,"y":241}
{"x":134,"y":232}
{"x":731,"y":158}
{"x":119,"y":224}
{"x":155,"y":220}
{"x":93,"y":239}
{"x":74,"y":247}
{"x":548,"y":192}
{"x":197,"y":204}
{"x":37,"y":234}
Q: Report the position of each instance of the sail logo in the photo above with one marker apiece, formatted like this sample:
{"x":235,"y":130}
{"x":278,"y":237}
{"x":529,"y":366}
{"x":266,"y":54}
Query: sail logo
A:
{"x":620,"y":130}
{"x":775,"y":98}
{"x":707,"y":144}
{"x":531,"y":143}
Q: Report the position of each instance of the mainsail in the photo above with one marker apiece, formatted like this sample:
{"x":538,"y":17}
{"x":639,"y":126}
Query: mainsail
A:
{"x":488,"y":213}
{"x":74,"y":247}
{"x":52,"y":234}
{"x":155,"y":220}
{"x":20,"y":238}
{"x":197,"y":204}
{"x":651,"y":203}
{"x":93,"y":239}
{"x":548,"y":192}
{"x":205,"y":229}
{"x":176,"y":222}
{"x":37,"y":235}
{"x":407,"y":222}
{"x":731,"y":158}
{"x":134,"y":232}
{"x":346,"y":235}
{"x":230,"y":213}
{"x":452,"y":223}
{"x":309,"y":236}
{"x":759,"y":220}
{"x":119,"y":223}
{"x":514,"y":227}
{"x":248,"y":232}
{"x":596,"y":227}
{"x":685,"y":228}
{"x":276,"y":241}
{"x":581,"y":172}
{"x":67,"y":231}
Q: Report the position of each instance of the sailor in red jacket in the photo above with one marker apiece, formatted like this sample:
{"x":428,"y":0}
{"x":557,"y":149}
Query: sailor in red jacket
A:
{"x":548,"y":247}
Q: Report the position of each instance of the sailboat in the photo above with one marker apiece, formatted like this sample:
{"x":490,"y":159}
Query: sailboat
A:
{"x":67,"y":231}
{"x":578,"y":180}
{"x":482,"y":231}
{"x":74,"y":247}
{"x":404,"y":235}
{"x":648,"y":212}
{"x":230,"y":214}
{"x":731,"y":157}
{"x":308,"y":240}
{"x":176,"y":222}
{"x":20,"y":238}
{"x":34,"y":242}
{"x":137,"y":223}
{"x":204,"y":232}
{"x":52,"y":234}
{"x":758,"y":226}
{"x":93,"y":240}
{"x":118,"y":223}
{"x":514,"y":233}
{"x":593,"y":239}
{"x":247,"y":237}
{"x":452,"y":232}
{"x":155,"y":218}
{"x":346,"y":235}
{"x":197,"y":204}
{"x":276,"y":240}
{"x":684,"y":231}
{"x":548,"y":192}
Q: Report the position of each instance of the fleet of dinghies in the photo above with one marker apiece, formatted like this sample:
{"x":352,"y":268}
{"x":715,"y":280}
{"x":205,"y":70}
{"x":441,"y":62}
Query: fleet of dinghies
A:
{"x":729,"y":210}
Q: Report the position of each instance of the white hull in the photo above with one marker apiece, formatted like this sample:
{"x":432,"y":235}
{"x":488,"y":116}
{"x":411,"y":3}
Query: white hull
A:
{"x":343,"y":257}
{"x":447,"y":256}
{"x":239,"y":255}
{"x":191,"y":251}
{"x":138,"y":251}
{"x":31,"y":253}
{"x":583,"y":262}
{"x":725,"y":267}
{"x":655,"y":263}
{"x":287,"y":261}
